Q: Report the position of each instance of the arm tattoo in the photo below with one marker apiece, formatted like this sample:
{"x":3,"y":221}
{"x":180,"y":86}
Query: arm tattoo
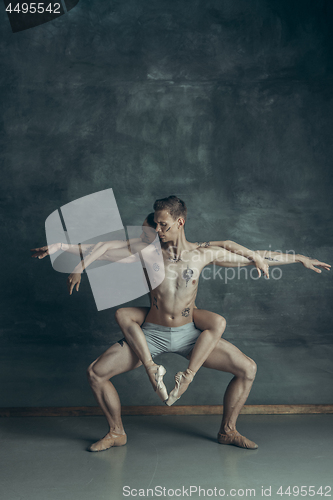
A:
{"x":155,"y":302}
{"x":89,"y":251}
{"x":186,"y":312}
{"x":203,"y":244}
{"x":270,"y":258}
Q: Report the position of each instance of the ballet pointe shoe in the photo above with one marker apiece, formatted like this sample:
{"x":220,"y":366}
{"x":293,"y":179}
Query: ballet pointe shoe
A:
{"x":110,"y":440}
{"x":182,"y":379}
{"x":160,"y":390}
{"x":236,"y":439}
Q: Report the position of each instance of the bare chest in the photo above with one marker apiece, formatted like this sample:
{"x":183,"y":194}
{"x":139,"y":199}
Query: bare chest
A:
{"x":182,"y":274}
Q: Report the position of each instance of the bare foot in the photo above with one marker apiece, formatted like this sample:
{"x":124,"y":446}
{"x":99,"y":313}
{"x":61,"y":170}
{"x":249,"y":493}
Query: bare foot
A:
{"x":108,"y":441}
{"x":236,"y":439}
{"x":183,"y":380}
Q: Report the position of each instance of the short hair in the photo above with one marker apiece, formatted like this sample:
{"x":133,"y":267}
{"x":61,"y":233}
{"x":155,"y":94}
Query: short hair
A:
{"x":150,"y":220}
{"x":174,"y":205}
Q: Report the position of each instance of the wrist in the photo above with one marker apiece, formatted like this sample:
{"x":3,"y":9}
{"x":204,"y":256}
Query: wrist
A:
{"x":79,"y":269}
{"x":254,"y":256}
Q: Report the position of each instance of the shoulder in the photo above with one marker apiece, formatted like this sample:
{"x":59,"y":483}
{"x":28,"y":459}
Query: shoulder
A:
{"x":202,"y":244}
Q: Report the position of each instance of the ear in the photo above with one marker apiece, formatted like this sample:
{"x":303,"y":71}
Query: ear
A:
{"x":181,"y":222}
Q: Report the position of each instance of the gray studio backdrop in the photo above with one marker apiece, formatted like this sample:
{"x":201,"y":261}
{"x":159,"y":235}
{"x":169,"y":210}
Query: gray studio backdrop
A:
{"x":227,"y":104}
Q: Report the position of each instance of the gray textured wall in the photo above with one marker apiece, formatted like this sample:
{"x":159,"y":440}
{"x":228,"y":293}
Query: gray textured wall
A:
{"x":225,"y":104}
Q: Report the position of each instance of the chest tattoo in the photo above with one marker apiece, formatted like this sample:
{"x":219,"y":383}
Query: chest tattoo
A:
{"x":155,"y":302}
{"x":186,"y":312}
{"x":187,"y":274}
{"x":175,"y":258}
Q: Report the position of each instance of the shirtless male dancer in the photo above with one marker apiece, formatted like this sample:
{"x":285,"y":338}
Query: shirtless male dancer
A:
{"x":211,"y":324}
{"x":172,"y":319}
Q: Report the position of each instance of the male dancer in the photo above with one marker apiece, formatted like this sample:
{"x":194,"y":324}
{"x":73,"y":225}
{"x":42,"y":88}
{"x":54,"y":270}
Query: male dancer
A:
{"x":169,"y":323}
{"x":172,"y":310}
{"x":211,"y":324}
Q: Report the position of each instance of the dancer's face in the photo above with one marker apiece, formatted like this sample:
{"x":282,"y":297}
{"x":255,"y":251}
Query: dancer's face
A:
{"x":166,"y":226}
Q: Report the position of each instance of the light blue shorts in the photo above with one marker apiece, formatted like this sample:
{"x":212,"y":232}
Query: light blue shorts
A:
{"x":179,"y":339}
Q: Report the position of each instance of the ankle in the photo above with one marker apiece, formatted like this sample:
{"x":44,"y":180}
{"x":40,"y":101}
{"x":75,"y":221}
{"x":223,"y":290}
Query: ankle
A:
{"x":189,"y":373}
{"x":149,"y":364}
{"x":227,"y":428}
{"x":116,"y":430}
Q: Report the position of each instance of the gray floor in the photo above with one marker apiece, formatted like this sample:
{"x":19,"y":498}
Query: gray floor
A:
{"x":46,"y":458}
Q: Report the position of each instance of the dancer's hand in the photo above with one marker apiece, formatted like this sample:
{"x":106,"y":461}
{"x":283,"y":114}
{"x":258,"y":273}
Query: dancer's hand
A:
{"x":261,"y":264}
{"x":44,"y":251}
{"x":311,"y":263}
{"x":73,"y":280}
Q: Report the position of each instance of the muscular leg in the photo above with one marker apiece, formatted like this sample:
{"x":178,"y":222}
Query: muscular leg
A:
{"x":226,"y":357}
{"x":130,"y":320}
{"x":117,"y":359}
{"x":213,"y":327}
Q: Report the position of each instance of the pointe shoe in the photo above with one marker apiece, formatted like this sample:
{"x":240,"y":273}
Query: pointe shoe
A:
{"x":110,"y":440}
{"x":182,"y":379}
{"x":236,"y":439}
{"x":160,"y":390}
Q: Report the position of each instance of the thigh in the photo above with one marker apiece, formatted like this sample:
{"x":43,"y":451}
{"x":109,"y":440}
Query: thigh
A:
{"x":136,"y":314}
{"x":119,"y":358}
{"x":206,"y":320}
{"x":227,"y":358}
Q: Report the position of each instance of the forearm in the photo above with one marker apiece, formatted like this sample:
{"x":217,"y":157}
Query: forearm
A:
{"x":110,"y":251}
{"x":95,"y":253}
{"x":75,"y":249}
{"x":272,"y":258}
{"x":279,"y":258}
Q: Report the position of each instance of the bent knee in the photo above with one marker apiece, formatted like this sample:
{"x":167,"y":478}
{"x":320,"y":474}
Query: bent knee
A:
{"x":223,"y":323}
{"x":219,"y":325}
{"x":120,"y":315}
{"x":93,"y":378}
{"x":91,"y":374}
{"x":250,"y":369}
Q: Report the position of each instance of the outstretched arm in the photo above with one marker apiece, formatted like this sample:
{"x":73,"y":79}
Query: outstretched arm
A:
{"x":223,"y":258}
{"x":279,"y":258}
{"x":226,"y":259}
{"x":42,"y":252}
{"x":257,"y":260}
{"x":99,"y":252}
